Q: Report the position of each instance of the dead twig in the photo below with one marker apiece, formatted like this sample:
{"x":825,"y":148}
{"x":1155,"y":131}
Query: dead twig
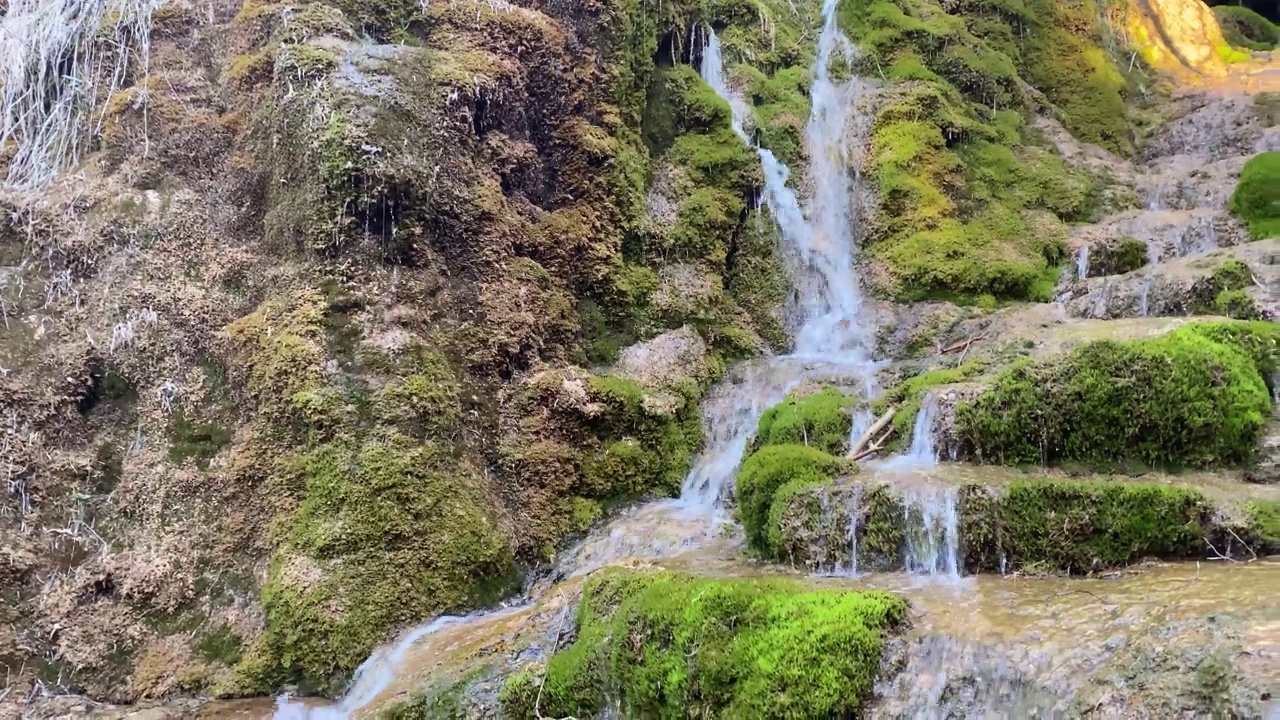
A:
{"x":875,"y":447}
{"x":962,"y":345}
{"x":876,"y":427}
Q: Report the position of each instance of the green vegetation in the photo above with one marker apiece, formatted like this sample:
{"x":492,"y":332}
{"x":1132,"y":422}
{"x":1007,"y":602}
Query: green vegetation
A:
{"x":1223,"y":292}
{"x":1031,"y":525}
{"x":1120,"y":256}
{"x":972,"y":206}
{"x":198,"y":440}
{"x":1082,"y":526}
{"x":668,"y":645}
{"x":779,"y":470}
{"x":1194,"y":397}
{"x":1264,"y":521}
{"x":1256,"y":200}
{"x":820,"y":419}
{"x":1245,"y":28}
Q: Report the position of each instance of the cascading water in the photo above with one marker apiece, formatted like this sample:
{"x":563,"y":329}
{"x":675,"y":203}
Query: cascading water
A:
{"x":932,"y":528}
{"x":1082,"y":263}
{"x":830,"y":342}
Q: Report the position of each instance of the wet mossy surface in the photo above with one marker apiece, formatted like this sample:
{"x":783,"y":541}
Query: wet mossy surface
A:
{"x":1195,"y":397}
{"x":907,"y":395}
{"x":1244,"y":28}
{"x":1120,"y":256}
{"x":972,"y":202}
{"x":1256,"y":200}
{"x":779,"y":471}
{"x":1034,"y":525}
{"x":669,"y":644}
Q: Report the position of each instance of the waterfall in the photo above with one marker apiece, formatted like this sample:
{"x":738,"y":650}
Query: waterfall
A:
{"x":932,"y":525}
{"x":1082,"y":263}
{"x":1153,"y":259}
{"x":922,"y":453}
{"x":819,"y":242}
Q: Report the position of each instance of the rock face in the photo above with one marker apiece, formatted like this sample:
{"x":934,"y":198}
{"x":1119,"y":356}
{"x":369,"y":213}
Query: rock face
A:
{"x":344,"y":315}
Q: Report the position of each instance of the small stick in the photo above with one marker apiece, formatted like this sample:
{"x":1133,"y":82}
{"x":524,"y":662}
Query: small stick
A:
{"x":876,"y":427}
{"x":962,"y":345}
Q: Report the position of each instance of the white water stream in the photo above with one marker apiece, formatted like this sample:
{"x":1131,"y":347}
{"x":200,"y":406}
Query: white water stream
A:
{"x":819,"y":240}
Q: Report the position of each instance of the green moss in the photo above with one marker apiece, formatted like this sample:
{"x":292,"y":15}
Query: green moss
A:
{"x":424,"y":403}
{"x":220,"y":645}
{"x":819,"y":419}
{"x":198,"y":440}
{"x":1245,"y":28}
{"x":1256,"y":200}
{"x":1222,"y":292}
{"x":971,"y":202}
{"x":1182,"y":399}
{"x":762,"y":475}
{"x":1123,"y":255}
{"x":387,"y":533}
{"x":1081,"y":527}
{"x":1264,"y":522}
{"x":667,"y":645}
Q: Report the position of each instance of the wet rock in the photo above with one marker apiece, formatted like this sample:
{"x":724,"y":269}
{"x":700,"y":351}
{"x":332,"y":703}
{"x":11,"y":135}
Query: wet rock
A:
{"x":672,"y":357}
{"x":1202,"y":284}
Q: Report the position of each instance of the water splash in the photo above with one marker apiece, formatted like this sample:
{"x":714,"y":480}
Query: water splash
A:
{"x":923,"y":452}
{"x":1153,"y":260}
{"x":932,"y":524}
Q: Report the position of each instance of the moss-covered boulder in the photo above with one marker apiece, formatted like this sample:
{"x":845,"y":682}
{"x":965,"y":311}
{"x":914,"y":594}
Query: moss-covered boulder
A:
{"x":775,"y":472}
{"x":819,"y":417}
{"x":1194,"y":397}
{"x":1256,"y":200}
{"x":1244,"y":28}
{"x":669,"y":644}
{"x":1031,"y":524}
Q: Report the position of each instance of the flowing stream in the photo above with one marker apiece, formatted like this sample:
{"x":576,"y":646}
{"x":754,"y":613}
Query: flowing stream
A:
{"x":818,"y":237}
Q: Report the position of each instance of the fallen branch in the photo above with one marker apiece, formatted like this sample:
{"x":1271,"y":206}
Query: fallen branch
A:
{"x":876,"y":427}
{"x":875,"y":447}
{"x":962,"y":345}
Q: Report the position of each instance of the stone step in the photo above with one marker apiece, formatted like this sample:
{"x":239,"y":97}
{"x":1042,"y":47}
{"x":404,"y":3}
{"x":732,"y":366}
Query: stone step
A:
{"x":1186,"y":286}
{"x":979,"y":521}
{"x":1139,"y":238}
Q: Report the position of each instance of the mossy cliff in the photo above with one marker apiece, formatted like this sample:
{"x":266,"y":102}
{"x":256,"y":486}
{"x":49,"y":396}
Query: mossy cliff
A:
{"x":1031,"y":525}
{"x":668,"y":644}
{"x":1196,"y":397}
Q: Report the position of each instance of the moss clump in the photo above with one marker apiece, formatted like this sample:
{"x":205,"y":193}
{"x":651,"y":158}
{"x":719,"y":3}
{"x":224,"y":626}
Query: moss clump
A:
{"x":1256,"y":200}
{"x":819,"y":419}
{"x":1223,"y":292}
{"x":424,"y":403}
{"x":672,"y":645}
{"x":387,"y":533}
{"x":1244,"y":28}
{"x":763,"y":476}
{"x":1189,"y":398}
{"x":908,"y":394}
{"x":1264,"y":522}
{"x":1081,"y":527}
{"x":1120,"y":256}
{"x":198,"y":440}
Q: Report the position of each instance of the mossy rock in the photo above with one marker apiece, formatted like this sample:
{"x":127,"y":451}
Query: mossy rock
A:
{"x":1117,"y":257}
{"x":820,"y":419}
{"x":1256,"y":200}
{"x":1029,"y":525}
{"x":668,"y":644}
{"x":1194,"y":397}
{"x":907,"y":395}
{"x":387,"y":533}
{"x":766,"y":474}
{"x":1243,"y":27}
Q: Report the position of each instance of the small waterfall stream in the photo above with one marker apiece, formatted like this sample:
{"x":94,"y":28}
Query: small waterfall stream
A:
{"x":819,"y":240}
